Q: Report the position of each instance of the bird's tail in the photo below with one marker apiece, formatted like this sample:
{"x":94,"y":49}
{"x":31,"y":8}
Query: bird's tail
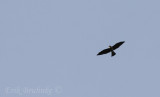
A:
{"x":113,"y":53}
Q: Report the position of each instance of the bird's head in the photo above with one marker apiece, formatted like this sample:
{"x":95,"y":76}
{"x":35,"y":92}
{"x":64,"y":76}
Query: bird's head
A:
{"x":110,"y":46}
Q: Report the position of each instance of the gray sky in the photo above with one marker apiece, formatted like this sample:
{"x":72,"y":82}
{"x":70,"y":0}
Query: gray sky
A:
{"x":52,"y":44}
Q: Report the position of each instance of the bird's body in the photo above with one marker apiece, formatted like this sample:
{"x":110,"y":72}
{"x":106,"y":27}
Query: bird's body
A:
{"x":111,"y":49}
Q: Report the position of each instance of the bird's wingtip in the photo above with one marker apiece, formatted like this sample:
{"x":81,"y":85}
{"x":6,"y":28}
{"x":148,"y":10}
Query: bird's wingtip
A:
{"x":98,"y":54}
{"x":122,"y":41}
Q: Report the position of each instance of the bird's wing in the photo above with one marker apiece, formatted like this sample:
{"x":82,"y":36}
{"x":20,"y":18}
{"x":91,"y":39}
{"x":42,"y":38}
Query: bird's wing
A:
{"x":104,"y":51}
{"x":117,"y":45}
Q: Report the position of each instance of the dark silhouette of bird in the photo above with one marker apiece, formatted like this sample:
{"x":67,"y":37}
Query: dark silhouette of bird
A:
{"x":111,"y":49}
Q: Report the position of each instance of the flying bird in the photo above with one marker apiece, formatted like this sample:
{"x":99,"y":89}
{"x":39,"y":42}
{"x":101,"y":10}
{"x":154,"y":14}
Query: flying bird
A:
{"x":111,"y":49}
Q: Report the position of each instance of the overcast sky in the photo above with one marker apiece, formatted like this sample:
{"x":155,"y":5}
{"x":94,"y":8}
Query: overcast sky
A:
{"x":52,"y":44}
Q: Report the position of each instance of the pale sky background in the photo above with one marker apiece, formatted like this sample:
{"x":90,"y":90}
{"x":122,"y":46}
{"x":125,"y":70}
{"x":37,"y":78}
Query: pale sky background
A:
{"x":53,"y":44}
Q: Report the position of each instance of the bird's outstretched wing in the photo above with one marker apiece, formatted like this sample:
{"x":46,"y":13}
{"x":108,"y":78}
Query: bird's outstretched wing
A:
{"x":117,"y":45}
{"x":104,"y":51}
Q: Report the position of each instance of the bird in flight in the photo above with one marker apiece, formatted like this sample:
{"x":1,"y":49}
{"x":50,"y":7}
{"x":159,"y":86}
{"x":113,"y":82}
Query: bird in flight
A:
{"x":111,"y":49}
